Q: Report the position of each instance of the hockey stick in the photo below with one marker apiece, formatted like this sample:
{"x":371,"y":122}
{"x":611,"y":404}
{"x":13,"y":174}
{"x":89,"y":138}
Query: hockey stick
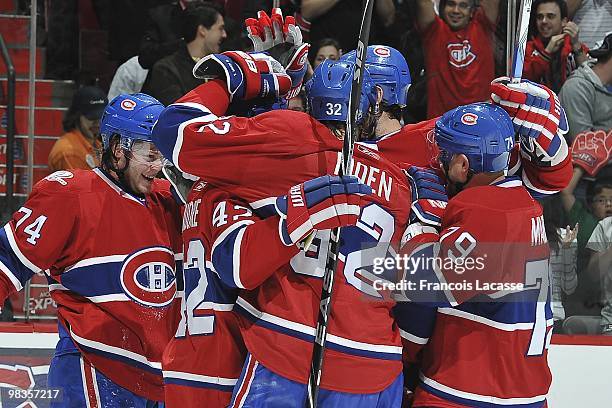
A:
{"x":331,"y":262}
{"x":521,"y":41}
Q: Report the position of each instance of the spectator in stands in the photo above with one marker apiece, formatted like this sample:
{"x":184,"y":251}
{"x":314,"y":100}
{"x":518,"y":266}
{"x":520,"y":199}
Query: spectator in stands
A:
{"x":163,"y":33}
{"x":600,"y":265}
{"x":203,"y":30}
{"x":555,"y":50}
{"x":341,"y":19}
{"x":78,"y":148}
{"x":327,"y":48}
{"x":562,"y":241}
{"x":587,"y":94}
{"x":585,"y":300}
{"x":128,"y":78}
{"x":594,"y":17}
{"x":458,"y":53}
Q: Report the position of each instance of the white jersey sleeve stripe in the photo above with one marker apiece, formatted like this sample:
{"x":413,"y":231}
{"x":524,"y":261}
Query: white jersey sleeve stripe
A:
{"x":481,"y":398}
{"x":13,"y":243}
{"x":4,"y":269}
{"x":205,"y":118}
{"x":412,"y":338}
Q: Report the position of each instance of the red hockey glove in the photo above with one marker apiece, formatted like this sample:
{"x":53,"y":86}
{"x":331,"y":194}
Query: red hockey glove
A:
{"x":282,"y":39}
{"x":247,"y":76}
{"x":591,"y":150}
{"x":323,"y":203}
{"x":535,"y":111}
{"x":429,"y":197}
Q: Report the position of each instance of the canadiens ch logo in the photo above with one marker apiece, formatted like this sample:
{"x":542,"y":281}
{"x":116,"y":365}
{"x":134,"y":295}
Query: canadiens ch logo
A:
{"x":460,"y":54}
{"x":147,"y":276}
{"x":382,"y":51}
{"x":128,"y":104}
{"x":469,"y":119}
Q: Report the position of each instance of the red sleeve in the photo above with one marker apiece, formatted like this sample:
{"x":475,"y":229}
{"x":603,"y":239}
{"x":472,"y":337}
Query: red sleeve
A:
{"x":213,"y":95}
{"x":547,"y":180}
{"x":543,"y":178}
{"x":35,"y":237}
{"x":245,"y":250}
{"x":44,"y":225}
{"x":536,"y":62}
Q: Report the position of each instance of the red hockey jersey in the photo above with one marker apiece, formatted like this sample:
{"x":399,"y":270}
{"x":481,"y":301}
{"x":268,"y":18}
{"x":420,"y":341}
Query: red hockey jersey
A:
{"x":202,"y":363}
{"x":110,"y":261}
{"x":259,"y":159}
{"x":497,"y":318}
{"x":413,"y":144}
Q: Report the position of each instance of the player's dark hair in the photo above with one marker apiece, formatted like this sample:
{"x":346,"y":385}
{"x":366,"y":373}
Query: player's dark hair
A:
{"x":394,"y":111}
{"x":338,"y":128}
{"x":108,"y":157}
{"x":197,"y":14}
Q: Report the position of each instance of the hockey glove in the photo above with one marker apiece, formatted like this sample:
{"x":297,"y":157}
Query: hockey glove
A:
{"x":323,"y":203}
{"x":429,"y":197}
{"x":535,"y":111}
{"x":247,"y":76}
{"x":282,"y":39}
{"x":591,"y":150}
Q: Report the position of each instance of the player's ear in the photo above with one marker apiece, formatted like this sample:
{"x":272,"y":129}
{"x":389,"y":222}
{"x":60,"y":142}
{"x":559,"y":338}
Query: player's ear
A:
{"x":116,"y":149}
{"x":460,"y":168}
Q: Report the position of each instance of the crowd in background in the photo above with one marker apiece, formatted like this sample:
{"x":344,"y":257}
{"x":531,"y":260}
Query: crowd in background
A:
{"x":454,"y":49}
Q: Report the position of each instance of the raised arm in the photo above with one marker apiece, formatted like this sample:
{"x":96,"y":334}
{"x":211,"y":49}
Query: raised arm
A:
{"x":572,"y":7}
{"x":312,"y":9}
{"x":567,"y":195}
{"x":425,"y":13}
{"x":491,"y":9}
{"x":385,"y":9}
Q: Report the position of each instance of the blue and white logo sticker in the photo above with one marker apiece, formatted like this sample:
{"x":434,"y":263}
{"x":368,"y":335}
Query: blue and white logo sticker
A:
{"x":147,"y":276}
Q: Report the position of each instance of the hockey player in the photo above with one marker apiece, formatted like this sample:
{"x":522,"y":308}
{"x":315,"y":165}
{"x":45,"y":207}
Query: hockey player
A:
{"x":278,"y":317}
{"x":203,"y":362}
{"x":201,"y":142}
{"x":107,"y":240}
{"x":414,"y":144}
{"x":494,"y":317}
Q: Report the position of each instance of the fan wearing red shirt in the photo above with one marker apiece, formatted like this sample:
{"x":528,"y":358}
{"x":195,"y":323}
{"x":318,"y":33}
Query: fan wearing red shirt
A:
{"x":459,"y":52}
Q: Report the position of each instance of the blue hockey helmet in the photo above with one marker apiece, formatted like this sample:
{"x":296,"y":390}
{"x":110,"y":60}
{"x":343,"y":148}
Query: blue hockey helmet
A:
{"x":389,"y":70}
{"x":132,"y":117}
{"x":481,"y":131}
{"x":329,"y":90}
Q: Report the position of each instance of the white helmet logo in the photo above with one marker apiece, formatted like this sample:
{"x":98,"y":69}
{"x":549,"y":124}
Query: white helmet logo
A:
{"x":469,"y":119}
{"x":382,"y":51}
{"x":128,"y":104}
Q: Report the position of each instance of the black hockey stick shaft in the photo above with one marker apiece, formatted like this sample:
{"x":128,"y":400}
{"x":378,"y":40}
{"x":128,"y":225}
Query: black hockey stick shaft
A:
{"x":316,"y":367}
{"x":521,"y":41}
